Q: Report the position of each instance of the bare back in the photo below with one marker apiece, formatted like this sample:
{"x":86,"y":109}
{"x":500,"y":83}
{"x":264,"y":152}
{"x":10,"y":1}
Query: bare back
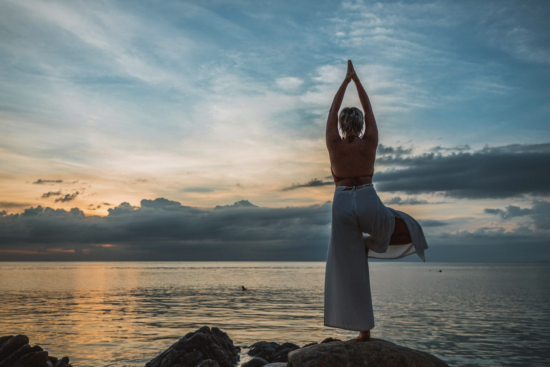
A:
{"x":352,"y":157}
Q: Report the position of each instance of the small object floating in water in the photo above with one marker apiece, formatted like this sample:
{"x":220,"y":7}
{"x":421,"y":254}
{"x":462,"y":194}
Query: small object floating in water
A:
{"x":243,"y":288}
{"x":441,"y":271}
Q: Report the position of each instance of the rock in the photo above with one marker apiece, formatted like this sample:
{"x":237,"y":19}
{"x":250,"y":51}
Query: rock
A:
{"x":209,"y":363}
{"x":198,"y":347}
{"x":255,"y":362}
{"x":281,"y":353}
{"x":330,"y":340}
{"x":375,"y":353}
{"x":14,"y":357}
{"x":271,"y":351}
{"x":278,"y":364}
{"x":263,"y":349}
{"x":33,"y":359}
{"x":4,"y":339}
{"x":309,"y":344}
{"x":63,"y":362}
{"x":12,"y":345}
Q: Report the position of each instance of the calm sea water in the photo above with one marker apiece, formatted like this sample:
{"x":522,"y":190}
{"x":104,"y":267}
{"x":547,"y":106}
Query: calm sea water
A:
{"x":125,"y":313}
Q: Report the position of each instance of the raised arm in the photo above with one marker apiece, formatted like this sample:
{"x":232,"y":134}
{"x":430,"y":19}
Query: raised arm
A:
{"x":371,"y":130}
{"x":332,"y":134}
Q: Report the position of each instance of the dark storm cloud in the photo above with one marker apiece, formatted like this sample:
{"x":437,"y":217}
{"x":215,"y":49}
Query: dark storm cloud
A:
{"x":162,"y":227}
{"x":539,"y":212}
{"x":67,"y":197}
{"x":313,"y":183}
{"x":42,"y":182}
{"x":51,"y":193}
{"x":497,"y":172}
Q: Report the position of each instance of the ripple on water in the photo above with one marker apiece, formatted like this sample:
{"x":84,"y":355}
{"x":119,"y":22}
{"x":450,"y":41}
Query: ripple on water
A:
{"x":123,"y":314}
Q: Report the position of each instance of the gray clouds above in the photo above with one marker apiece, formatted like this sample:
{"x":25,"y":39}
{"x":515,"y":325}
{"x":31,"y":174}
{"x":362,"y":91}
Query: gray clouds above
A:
{"x":539,"y":212}
{"x":492,"y":172}
{"x":162,"y":225}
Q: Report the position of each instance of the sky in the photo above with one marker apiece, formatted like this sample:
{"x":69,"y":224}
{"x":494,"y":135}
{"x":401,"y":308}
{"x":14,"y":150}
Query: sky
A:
{"x":194,"y":130}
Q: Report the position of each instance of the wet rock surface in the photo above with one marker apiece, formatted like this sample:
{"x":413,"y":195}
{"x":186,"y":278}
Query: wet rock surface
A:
{"x":271,"y":351}
{"x":197,"y":348}
{"x":15,"y":351}
{"x":375,"y":353}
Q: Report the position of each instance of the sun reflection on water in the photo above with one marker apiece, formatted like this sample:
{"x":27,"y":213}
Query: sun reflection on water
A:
{"x":124,"y":313}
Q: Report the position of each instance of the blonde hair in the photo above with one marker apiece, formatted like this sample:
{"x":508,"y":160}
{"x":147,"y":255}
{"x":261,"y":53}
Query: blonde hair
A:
{"x":351,"y":120}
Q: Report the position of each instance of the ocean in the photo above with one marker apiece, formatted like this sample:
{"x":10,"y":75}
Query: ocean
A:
{"x":125,"y":313}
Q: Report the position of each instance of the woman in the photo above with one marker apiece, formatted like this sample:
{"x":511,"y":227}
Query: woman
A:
{"x":356,"y":209}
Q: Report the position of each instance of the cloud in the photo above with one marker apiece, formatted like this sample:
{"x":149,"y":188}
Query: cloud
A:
{"x":499,"y":172}
{"x":386,"y":149}
{"x":539,"y":212}
{"x":432,"y":223}
{"x":67,"y":197}
{"x":163,"y":229}
{"x":51,"y":193}
{"x":42,"y":182}
{"x":240,"y":230}
{"x":11,"y":204}
{"x":396,"y":200}
{"x":237,"y":205}
{"x":289,"y":84}
{"x":313,"y":183}
{"x":458,"y":148}
{"x":199,"y":189}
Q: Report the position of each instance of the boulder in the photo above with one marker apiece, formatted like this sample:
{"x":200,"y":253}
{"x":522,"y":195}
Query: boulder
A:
{"x":197,"y":347}
{"x":255,"y":362}
{"x":15,"y":351}
{"x":374,"y":353}
{"x":271,"y":351}
{"x":278,"y":364}
{"x":11,"y":345}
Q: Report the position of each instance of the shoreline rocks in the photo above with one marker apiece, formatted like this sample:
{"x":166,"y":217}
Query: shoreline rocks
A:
{"x":15,"y":351}
{"x":211,"y":347}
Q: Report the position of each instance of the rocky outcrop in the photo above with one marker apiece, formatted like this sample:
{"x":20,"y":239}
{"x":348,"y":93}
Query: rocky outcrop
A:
{"x":271,"y":351}
{"x":211,"y":347}
{"x":15,"y":351}
{"x":205,"y":348}
{"x":375,"y":353}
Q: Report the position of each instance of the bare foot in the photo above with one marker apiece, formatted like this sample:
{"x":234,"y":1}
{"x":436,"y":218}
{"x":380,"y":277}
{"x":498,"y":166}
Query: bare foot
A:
{"x":364,"y":336}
